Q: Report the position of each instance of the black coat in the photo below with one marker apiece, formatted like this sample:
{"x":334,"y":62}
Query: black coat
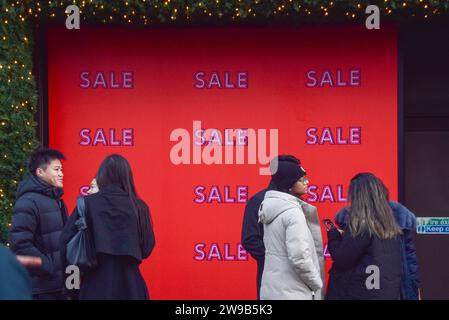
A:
{"x":252,"y":234}
{"x":351,"y":257}
{"x":38,"y":218}
{"x":113,"y":226}
{"x":407,"y":222}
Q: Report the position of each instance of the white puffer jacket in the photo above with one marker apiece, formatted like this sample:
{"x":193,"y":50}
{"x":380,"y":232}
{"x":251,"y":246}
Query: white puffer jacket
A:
{"x":294,"y":259}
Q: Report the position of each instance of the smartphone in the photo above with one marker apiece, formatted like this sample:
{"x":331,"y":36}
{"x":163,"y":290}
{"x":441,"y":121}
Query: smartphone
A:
{"x":329,"y":224}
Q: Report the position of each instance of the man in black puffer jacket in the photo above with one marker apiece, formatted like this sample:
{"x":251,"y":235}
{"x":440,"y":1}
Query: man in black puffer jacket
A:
{"x":38,"y":218}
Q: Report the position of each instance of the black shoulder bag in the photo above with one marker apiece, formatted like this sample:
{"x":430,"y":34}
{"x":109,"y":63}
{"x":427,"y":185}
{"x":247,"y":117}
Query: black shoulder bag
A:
{"x":81,"y":249}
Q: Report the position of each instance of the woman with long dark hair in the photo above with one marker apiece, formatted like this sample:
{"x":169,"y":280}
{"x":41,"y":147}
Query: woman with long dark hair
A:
{"x":120,"y":226}
{"x":366,"y":254}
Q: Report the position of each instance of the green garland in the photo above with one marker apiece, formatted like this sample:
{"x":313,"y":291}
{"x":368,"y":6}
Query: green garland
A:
{"x":18,"y":95}
{"x":150,"y":12}
{"x":17,"y":108}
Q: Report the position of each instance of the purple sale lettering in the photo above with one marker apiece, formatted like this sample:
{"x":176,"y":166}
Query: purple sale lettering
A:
{"x":334,"y":136}
{"x":106,"y":80}
{"x":217,"y":252}
{"x":83,"y":190}
{"x":327,"y":254}
{"x":331,"y":79}
{"x":332,"y":194}
{"x":217,"y":80}
{"x":111,"y":137}
{"x":215,"y":194}
{"x":213,"y":136}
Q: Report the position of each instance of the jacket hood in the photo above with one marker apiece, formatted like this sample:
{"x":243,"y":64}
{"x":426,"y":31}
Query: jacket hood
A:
{"x":404,"y":217}
{"x":275,"y":203}
{"x":34,"y":184}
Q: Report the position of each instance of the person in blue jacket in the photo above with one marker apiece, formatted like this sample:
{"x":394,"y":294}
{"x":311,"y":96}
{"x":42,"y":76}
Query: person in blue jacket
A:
{"x":252,"y":230}
{"x":15,"y":283}
{"x":406,"y":220}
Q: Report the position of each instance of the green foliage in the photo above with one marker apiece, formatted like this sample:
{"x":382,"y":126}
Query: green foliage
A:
{"x":151,"y":12}
{"x":17,"y":108}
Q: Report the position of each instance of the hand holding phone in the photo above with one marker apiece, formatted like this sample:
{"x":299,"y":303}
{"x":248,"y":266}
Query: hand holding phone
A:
{"x":329,"y":225}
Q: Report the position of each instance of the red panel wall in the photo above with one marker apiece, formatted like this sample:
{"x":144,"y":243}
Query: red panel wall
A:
{"x":329,"y":93}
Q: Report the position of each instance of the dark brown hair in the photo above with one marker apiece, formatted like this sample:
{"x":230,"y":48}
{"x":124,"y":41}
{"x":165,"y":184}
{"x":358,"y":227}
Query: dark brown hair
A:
{"x":369,"y":210}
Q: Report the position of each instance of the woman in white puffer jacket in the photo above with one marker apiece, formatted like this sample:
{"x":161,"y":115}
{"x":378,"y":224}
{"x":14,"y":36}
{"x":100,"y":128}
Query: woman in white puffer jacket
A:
{"x":294,"y":260}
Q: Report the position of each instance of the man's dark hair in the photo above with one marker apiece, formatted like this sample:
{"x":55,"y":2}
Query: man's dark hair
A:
{"x":42,"y":158}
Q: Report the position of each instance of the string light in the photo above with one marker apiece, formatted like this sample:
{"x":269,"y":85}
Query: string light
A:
{"x":132,"y":11}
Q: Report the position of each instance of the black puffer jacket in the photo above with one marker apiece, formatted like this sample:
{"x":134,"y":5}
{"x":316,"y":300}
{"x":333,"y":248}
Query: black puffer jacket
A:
{"x":38,"y":218}
{"x":252,"y":233}
{"x":353,"y":258}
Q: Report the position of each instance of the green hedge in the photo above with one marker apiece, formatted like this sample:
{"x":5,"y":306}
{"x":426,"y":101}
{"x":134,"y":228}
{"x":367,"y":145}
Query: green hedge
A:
{"x":141,"y":12}
{"x":17,"y":107}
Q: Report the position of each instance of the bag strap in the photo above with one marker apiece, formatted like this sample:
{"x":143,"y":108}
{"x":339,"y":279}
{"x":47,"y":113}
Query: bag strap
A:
{"x":81,"y":206}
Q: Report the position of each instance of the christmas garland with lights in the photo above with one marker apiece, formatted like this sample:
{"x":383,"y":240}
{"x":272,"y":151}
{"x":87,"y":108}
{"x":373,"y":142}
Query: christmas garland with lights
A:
{"x":18,"y":98}
{"x":150,"y":12}
{"x":18,"y":94}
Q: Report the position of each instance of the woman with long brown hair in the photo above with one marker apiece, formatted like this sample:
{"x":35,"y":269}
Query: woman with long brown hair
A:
{"x":366,"y":255}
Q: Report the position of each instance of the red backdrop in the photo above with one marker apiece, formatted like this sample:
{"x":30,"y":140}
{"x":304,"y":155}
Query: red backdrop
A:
{"x":331,"y":92}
